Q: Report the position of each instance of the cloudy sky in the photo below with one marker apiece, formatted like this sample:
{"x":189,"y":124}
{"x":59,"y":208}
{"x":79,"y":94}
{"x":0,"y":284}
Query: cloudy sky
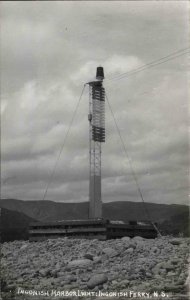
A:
{"x":48,"y":51}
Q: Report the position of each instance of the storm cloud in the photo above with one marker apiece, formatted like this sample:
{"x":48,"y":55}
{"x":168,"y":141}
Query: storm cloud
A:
{"x":48,"y":51}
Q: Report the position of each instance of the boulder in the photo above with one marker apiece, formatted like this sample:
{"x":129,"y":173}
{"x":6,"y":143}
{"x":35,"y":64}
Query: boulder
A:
{"x":129,"y":251}
{"x":171,"y":274}
{"x":132,"y":245}
{"x":125,"y":282}
{"x":138,"y":238}
{"x":156,"y":269}
{"x":24,"y":247}
{"x":88,"y":256}
{"x":80,"y":263}
{"x":175,"y":261}
{"x":97,"y":279}
{"x":175,"y":242}
{"x":155,"y":250}
{"x":168,"y":266}
{"x":126,"y":239}
{"x":110,"y":252}
{"x":44,"y":272}
{"x":70,"y":278}
{"x":97,"y":259}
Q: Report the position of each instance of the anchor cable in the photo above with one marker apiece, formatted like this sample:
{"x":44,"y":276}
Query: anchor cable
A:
{"x":64,"y":141}
{"x":132,"y":169}
{"x":148,"y":65}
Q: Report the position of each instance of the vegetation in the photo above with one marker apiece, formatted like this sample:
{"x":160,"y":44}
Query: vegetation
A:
{"x":177,"y":225}
{"x":14,"y":225}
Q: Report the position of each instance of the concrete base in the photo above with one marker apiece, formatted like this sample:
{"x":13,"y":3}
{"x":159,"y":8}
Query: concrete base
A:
{"x":95,"y":201}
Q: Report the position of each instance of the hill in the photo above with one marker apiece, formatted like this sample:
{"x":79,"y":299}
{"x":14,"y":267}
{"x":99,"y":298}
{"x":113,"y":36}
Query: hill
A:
{"x":13,"y":225}
{"x":163,"y":214}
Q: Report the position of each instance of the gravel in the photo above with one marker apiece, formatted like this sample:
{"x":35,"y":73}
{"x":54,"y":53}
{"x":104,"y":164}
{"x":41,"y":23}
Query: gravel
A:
{"x":98,"y":267}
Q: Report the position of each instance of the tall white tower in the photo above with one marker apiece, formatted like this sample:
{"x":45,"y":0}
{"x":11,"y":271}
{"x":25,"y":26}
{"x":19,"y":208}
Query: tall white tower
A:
{"x":96,"y":119}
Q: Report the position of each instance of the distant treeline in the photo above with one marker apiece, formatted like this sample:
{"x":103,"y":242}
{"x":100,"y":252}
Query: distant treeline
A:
{"x":14,"y":225}
{"x":177,"y":225}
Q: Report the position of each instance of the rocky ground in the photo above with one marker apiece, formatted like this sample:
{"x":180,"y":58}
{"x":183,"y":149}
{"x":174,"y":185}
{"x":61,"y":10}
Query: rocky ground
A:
{"x":90,"y":269}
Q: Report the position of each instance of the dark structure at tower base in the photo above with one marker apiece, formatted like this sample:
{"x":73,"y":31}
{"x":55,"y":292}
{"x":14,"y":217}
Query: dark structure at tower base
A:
{"x":90,"y":229}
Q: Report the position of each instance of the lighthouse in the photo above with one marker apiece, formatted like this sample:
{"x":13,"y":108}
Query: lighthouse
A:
{"x":96,"y":118}
{"x":95,"y":226}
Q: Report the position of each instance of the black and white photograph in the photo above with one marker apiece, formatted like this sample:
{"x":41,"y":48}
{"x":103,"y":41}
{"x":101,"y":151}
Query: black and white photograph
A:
{"x":94,"y":150}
